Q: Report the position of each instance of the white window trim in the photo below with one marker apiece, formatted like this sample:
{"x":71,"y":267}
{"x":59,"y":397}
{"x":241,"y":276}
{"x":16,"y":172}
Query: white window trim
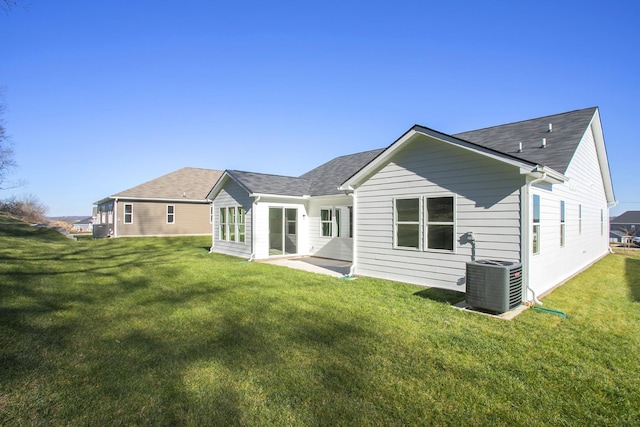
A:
{"x":227,"y":225}
{"x":419,"y":223}
{"x":535,"y":250}
{"x":124,"y":213}
{"x":330,"y":221}
{"x":173,"y":214}
{"x":425,"y":233}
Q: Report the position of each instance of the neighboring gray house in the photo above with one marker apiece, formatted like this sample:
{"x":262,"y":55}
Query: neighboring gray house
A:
{"x":628,"y":223}
{"x":174,"y":204}
{"x":536,"y":191}
{"x":84,"y":224}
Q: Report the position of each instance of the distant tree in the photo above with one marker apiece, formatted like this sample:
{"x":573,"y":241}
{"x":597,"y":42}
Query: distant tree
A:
{"x":7,"y":161}
{"x":27,"y":208}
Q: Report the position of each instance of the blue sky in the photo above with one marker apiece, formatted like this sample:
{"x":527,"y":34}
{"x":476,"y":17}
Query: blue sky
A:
{"x":104,"y":95}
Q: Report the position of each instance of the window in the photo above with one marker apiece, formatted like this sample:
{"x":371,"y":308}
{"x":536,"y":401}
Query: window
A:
{"x":350,"y":221}
{"x":440,"y":223}
{"x":536,"y":224}
{"x":211,"y":214}
{"x":407,"y":223}
{"x":232,"y":224}
{"x":223,"y":224}
{"x":337,"y":216}
{"x":602,"y":222}
{"x":171,"y":214}
{"x":128,"y":213}
{"x":241,"y":215}
{"x":562,"y":224}
{"x":326,"y":222}
{"x":579,"y":219}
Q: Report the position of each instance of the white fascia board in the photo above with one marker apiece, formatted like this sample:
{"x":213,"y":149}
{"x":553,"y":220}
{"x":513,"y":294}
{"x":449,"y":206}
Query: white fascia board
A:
{"x":279,"y":196}
{"x":603,"y":159}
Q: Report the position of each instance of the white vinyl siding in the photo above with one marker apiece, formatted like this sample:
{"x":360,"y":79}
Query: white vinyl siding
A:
{"x":584,"y":200}
{"x":487,"y":203}
{"x":234,"y":197}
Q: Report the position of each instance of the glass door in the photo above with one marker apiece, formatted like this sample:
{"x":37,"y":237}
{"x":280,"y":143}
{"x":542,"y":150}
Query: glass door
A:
{"x":283,"y":228}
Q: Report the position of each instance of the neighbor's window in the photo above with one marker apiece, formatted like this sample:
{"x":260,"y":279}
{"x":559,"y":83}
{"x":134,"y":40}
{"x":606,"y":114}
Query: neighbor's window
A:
{"x":326,"y":222}
{"x":562,"y":225}
{"x":128,"y":213}
{"x":223,"y":224}
{"x":536,"y":224}
{"x":440,"y":223}
{"x":171,"y":214}
{"x":407,"y":223}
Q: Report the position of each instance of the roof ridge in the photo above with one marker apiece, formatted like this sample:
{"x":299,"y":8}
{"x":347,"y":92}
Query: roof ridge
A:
{"x":525,"y":120}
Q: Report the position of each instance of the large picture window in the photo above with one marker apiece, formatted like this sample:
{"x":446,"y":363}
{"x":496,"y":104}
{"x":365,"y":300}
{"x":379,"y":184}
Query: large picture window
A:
{"x":440,"y":223}
{"x":407,"y":223}
{"x":232,"y":224}
{"x":128,"y":213}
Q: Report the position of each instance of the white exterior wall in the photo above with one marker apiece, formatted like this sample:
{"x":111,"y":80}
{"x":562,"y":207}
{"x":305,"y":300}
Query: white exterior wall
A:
{"x":232,"y":195}
{"x":554,"y":264}
{"x":330,"y":247}
{"x":487,"y":203}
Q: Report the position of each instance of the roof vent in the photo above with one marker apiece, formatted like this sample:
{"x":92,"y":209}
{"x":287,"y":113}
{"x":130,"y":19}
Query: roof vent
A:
{"x":519,"y":147}
{"x":550,"y":127}
{"x":544,"y":143}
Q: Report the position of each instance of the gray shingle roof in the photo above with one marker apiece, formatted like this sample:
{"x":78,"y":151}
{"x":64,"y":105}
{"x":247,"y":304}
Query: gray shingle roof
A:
{"x":185,"y":183}
{"x":262,"y":183}
{"x":326,"y":179}
{"x":629,"y":217}
{"x":561,"y":142}
{"x":321,"y":181}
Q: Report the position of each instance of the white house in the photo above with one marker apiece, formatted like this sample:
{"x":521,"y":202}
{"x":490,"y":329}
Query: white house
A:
{"x":536,"y":192}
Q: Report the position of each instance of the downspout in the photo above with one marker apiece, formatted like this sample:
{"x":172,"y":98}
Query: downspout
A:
{"x":527,"y":245}
{"x":354,"y":237}
{"x":253,"y":221}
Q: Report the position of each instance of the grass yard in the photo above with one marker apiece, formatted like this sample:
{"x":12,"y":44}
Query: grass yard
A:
{"x":157,"y":331}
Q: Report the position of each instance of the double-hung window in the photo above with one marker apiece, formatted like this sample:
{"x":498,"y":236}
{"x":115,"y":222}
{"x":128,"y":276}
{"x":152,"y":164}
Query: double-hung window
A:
{"x":128,"y":213}
{"x":536,"y":224}
{"x":171,"y":214}
{"x":440,"y":223}
{"x":407,"y":223}
{"x":326,"y":222}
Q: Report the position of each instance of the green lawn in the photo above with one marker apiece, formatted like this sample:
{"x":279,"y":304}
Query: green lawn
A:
{"x":157,"y":331}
